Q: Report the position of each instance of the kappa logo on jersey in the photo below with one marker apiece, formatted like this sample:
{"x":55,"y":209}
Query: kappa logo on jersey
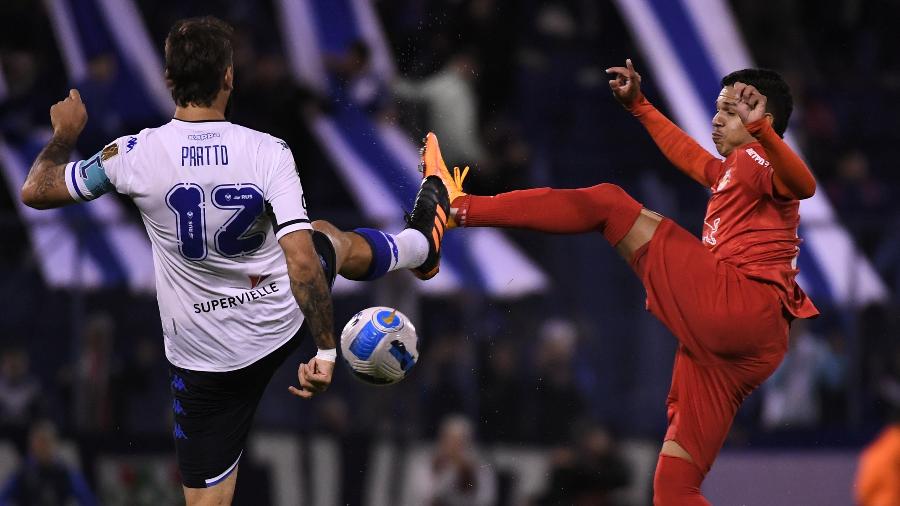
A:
{"x":204,"y":136}
{"x":724,"y":181}
{"x":109,"y":152}
{"x":283,"y":145}
{"x":132,"y":142}
{"x":757,"y":158}
{"x":256,"y":280}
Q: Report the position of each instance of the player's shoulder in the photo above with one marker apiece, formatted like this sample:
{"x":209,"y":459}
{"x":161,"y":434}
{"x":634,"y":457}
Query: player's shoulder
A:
{"x":275,"y":145}
{"x":123,"y":145}
{"x":130,"y":142}
{"x":263,"y":139}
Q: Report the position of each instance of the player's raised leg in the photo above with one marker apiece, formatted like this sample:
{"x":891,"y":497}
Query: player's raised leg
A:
{"x":366,"y":254}
{"x":729,"y":337}
{"x":605,"y":208}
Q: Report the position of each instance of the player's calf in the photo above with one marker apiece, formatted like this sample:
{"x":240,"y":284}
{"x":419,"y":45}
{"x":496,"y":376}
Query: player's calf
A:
{"x":365,"y":254}
{"x":677,"y":483}
{"x":606,"y":208}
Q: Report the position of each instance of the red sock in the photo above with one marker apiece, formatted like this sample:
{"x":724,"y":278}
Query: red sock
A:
{"x":604,"y":207}
{"x":677,"y":483}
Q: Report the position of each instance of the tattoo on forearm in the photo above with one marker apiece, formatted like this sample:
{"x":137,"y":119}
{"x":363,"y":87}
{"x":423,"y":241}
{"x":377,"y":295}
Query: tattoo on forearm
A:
{"x":314,"y":299}
{"x":44,"y":173}
{"x":57,"y":151}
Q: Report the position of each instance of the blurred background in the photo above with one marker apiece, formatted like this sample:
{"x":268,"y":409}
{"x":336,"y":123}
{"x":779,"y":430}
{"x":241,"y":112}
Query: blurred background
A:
{"x":541,"y":379}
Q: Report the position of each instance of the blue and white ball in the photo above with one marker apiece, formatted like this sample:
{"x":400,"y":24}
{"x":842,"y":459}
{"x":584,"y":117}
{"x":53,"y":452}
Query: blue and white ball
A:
{"x":380,"y":345}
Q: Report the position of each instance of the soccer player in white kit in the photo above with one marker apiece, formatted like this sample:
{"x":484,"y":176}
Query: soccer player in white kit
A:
{"x":240,"y":278}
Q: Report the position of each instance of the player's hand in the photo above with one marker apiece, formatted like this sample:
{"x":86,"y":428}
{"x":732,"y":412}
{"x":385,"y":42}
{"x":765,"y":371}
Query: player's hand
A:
{"x":314,"y":377}
{"x":751,"y":104}
{"x":626,"y":83}
{"x":68,"y":116}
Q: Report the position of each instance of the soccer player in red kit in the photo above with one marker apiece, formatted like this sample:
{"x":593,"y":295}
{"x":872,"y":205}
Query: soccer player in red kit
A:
{"x":728,"y":298}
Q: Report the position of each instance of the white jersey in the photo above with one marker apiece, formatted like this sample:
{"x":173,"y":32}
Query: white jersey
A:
{"x":215,"y":198}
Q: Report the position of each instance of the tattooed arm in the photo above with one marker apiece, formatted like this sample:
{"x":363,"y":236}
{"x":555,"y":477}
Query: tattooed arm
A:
{"x":311,"y":290}
{"x":45,"y":186}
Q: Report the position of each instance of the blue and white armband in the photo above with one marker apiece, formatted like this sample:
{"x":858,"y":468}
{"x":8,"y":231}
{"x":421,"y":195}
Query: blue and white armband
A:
{"x":86,"y":179}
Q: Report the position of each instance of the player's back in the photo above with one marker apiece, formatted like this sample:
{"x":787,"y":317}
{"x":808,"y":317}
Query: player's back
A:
{"x":213,"y":196}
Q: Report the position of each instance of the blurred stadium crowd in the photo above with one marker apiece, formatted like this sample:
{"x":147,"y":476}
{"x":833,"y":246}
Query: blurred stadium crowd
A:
{"x":516,"y":89}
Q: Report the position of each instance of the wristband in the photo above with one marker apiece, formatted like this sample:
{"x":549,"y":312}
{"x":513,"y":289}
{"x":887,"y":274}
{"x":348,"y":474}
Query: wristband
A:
{"x":327,"y":355}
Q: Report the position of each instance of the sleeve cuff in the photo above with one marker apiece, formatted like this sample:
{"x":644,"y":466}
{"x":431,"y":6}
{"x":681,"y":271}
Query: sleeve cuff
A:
{"x":640,"y":106}
{"x":759,"y":127}
{"x":291,"y":226}
{"x":77,"y":192}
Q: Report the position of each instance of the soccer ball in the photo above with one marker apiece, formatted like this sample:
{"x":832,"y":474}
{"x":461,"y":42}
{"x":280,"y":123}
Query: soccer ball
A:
{"x":380,"y":345}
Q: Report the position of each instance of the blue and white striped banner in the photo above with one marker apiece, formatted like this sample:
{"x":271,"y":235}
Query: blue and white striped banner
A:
{"x":80,"y":246}
{"x":376,"y":161}
{"x":691,"y":44}
{"x":96,"y":245}
{"x":89,"y":29}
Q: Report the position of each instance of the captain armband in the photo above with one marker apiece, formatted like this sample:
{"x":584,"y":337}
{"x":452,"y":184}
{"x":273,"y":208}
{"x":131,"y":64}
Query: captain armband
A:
{"x":86,"y":179}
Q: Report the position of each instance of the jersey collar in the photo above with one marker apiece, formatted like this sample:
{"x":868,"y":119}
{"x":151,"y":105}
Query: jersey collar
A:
{"x":201,"y":120}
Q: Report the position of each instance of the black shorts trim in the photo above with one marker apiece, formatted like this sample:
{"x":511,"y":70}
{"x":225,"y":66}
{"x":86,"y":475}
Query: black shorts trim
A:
{"x":212,"y":482}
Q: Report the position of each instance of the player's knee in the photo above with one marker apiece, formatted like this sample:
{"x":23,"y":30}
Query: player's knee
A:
{"x":324,"y":226}
{"x":340,"y":240}
{"x":608,"y":194}
{"x":612,"y":199}
{"x":335,"y":235}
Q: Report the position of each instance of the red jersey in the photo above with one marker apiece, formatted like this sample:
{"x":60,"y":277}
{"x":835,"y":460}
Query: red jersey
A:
{"x":750,"y":227}
{"x":747,"y":224}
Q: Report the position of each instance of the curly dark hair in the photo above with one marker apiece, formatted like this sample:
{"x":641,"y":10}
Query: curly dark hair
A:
{"x":198,"y":51}
{"x":779,"y":102}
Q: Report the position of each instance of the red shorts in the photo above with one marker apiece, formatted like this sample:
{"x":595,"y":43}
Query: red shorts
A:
{"x":731,"y":330}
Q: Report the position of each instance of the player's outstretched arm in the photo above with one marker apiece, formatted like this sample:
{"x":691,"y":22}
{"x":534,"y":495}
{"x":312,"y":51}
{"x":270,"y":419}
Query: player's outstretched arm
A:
{"x":792,"y":178}
{"x":310,"y":288}
{"x":683,"y":151}
{"x":45,"y":186}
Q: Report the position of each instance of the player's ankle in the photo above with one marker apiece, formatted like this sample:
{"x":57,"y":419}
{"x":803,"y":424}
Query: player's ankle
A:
{"x":459,"y":210}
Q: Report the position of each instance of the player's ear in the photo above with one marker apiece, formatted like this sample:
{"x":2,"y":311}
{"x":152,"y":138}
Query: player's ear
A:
{"x":769,"y":118}
{"x":228,"y":84}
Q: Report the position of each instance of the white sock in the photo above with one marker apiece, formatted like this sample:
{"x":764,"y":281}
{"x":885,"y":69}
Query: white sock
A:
{"x":412,"y":249}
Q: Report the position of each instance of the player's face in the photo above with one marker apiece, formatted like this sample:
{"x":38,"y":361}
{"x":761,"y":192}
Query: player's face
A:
{"x":728,"y":129}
